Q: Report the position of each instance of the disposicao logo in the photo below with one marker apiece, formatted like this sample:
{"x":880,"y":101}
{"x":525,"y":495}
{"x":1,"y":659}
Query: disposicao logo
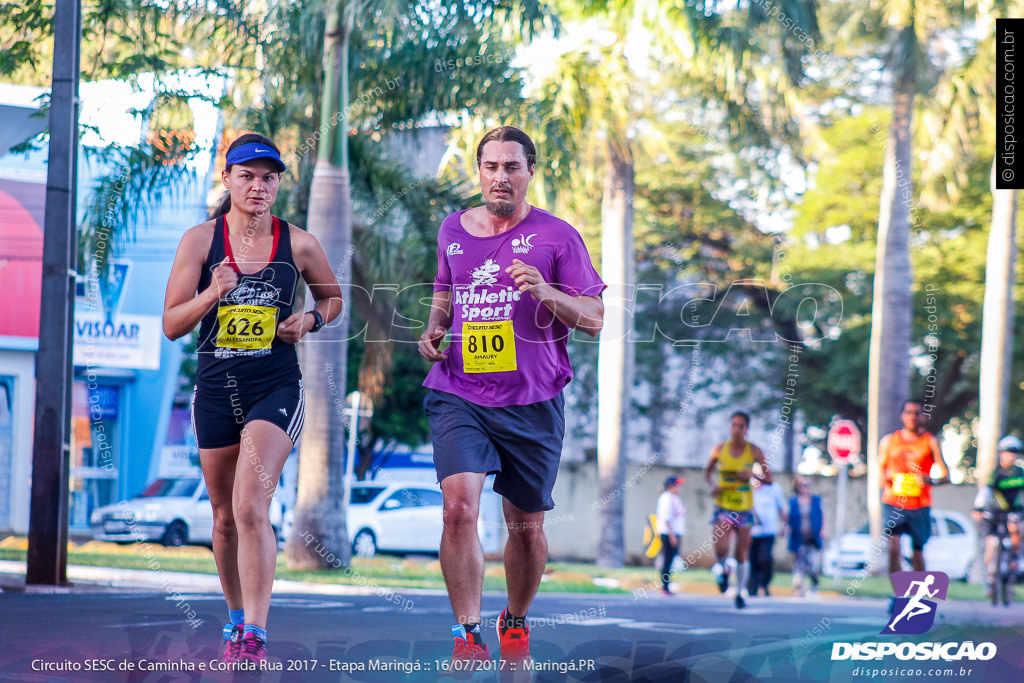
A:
{"x":913,"y":613}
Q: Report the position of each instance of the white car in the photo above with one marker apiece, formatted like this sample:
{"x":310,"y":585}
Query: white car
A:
{"x":951,"y":549}
{"x":401,"y":517}
{"x":172,"y":511}
{"x":395,"y":517}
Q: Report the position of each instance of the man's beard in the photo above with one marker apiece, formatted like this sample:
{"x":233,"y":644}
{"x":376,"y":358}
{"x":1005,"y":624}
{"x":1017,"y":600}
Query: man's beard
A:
{"x":501,"y":209}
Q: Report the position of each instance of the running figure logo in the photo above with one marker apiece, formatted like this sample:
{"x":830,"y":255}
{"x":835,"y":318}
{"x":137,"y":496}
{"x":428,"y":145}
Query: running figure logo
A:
{"x":484,"y":275}
{"x":913,"y":612}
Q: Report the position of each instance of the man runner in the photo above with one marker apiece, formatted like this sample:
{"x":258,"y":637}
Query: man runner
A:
{"x":512,"y":280}
{"x":905,"y":458}
{"x":734,"y":500}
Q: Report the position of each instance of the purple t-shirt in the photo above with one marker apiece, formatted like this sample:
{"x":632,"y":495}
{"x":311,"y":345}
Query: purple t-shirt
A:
{"x":507,"y":348}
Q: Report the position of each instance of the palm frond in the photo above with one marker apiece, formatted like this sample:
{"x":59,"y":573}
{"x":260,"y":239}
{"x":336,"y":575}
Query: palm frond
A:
{"x":122,"y":199}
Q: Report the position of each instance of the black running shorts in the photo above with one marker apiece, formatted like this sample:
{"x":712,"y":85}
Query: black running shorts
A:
{"x":916,"y":523}
{"x":520,"y":444}
{"x":219,"y":417}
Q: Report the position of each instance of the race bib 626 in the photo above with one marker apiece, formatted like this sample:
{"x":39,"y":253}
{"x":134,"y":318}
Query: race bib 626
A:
{"x":246,"y":327}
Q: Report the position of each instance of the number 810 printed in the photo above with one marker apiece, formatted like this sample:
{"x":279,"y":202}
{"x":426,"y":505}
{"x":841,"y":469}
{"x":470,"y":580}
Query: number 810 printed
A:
{"x":497,"y":343}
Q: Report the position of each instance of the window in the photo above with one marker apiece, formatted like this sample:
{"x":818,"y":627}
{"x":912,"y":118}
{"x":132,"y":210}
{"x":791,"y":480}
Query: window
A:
{"x":361,"y":495}
{"x":171,"y":487}
{"x":954,"y":527}
{"x":402,"y":498}
{"x":6,"y":448}
{"x":430,"y":498}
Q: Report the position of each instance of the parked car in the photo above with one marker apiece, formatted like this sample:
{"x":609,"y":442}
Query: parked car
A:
{"x":951,"y":549}
{"x":395,"y":517}
{"x":173,"y":512}
{"x":407,"y":517}
{"x":404,"y":517}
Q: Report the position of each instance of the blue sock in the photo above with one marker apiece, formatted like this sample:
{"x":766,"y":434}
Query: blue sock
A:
{"x":236,"y":617}
{"x":260,"y":633}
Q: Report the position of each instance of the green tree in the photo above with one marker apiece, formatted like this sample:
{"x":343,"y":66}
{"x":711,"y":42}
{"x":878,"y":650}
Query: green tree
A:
{"x":593,"y":111}
{"x":948,"y":257}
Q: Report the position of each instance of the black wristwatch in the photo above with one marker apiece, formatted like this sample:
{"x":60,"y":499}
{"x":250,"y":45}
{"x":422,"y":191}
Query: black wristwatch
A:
{"x":318,"y":321}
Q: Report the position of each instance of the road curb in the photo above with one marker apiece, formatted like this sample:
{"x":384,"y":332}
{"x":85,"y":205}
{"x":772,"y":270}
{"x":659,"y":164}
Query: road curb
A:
{"x":89,"y":578}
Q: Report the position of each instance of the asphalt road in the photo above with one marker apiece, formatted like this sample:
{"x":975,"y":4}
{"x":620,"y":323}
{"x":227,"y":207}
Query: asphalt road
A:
{"x":146,"y":636}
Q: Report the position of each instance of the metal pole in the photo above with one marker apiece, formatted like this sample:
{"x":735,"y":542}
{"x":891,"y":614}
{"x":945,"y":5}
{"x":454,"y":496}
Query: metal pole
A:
{"x":350,"y":462}
{"x":48,"y":511}
{"x":840,"y":519}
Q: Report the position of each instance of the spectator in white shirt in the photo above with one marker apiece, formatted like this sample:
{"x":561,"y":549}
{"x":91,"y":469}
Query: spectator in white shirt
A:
{"x":769,"y":508}
{"x":671,"y":524}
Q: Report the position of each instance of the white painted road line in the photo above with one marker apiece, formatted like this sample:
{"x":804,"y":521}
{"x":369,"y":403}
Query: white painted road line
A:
{"x":674,"y":628}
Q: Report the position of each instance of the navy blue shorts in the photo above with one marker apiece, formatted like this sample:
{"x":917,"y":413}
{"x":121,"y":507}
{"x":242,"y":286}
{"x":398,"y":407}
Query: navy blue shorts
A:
{"x":915,"y":523}
{"x":521,"y":445}
{"x":218,"y":418}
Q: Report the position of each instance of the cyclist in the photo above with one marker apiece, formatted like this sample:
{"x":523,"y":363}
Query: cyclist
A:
{"x":1001,"y":500}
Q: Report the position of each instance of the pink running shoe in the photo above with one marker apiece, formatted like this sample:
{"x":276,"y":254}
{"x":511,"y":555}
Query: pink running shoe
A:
{"x":253,"y":649}
{"x":232,"y":643}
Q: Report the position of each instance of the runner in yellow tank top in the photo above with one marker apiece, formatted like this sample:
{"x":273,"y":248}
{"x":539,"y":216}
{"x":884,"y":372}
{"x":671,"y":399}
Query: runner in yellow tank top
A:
{"x":734,"y":499}
{"x":734,"y":493}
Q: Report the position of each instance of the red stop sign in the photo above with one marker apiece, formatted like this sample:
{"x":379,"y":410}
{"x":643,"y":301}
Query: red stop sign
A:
{"x":843,"y":439}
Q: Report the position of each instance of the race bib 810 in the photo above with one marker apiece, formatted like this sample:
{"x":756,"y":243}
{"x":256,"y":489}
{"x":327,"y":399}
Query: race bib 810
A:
{"x":488,"y":347}
{"x":246,"y":327}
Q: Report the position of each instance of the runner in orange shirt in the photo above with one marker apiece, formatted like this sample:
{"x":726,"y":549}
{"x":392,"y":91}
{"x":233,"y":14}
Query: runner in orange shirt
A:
{"x":906,"y":458}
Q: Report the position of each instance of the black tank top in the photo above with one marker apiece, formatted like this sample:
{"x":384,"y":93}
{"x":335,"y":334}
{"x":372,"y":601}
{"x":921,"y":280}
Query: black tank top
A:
{"x":238,"y":344}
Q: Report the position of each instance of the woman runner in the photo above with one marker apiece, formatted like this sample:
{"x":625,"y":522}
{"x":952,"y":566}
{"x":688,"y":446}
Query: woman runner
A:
{"x":236,"y":276}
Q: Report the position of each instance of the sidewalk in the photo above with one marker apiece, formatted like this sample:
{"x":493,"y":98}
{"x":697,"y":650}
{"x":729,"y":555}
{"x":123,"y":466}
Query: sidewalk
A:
{"x":87,"y":579}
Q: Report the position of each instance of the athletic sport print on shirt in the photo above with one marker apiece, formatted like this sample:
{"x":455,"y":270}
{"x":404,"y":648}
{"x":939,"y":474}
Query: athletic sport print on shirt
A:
{"x":488,"y":335}
{"x":506,"y":347}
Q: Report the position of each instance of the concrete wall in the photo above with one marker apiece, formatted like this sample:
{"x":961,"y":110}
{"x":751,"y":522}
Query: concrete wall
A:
{"x":573,"y":527}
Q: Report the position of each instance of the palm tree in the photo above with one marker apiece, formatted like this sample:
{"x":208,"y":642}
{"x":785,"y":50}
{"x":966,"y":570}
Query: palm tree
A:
{"x":956,"y":113}
{"x":998,"y":307}
{"x":911,"y":25}
{"x":997,"y":328}
{"x":587,"y":113}
{"x":321,"y":489}
{"x":891,"y":316}
{"x":598,"y":97}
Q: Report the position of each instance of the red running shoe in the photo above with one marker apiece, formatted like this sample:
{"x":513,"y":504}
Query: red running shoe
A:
{"x":467,"y":657}
{"x":515,"y":644}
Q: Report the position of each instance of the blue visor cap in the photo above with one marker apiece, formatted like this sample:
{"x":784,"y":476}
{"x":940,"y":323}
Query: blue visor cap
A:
{"x":254,"y":150}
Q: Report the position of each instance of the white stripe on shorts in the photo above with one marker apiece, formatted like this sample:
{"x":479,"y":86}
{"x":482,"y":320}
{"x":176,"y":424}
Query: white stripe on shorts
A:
{"x":295,"y":426}
{"x":192,"y":416}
